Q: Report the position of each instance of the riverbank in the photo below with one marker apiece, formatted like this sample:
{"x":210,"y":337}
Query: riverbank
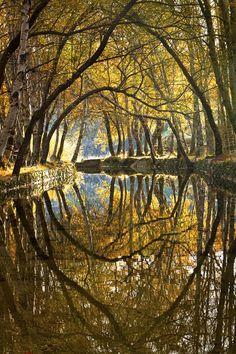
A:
{"x":35,"y":180}
{"x":217,"y":172}
{"x":131,"y":165}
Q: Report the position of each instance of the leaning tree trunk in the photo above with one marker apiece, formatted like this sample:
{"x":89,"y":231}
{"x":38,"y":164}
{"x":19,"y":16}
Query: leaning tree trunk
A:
{"x":197,"y":140}
{"x":54,"y":154}
{"x":117,"y":124}
{"x":157,"y":138}
{"x":123,"y":138}
{"x":62,"y":143}
{"x":210,"y":142}
{"x":8,"y":131}
{"x":118,"y":128}
{"x":35,"y":98}
{"x":45,"y":140}
{"x":81,"y":132}
{"x":79,"y":141}
{"x":148,"y":137}
{"x":37,"y":137}
{"x":135,"y":130}
{"x":130,"y":140}
{"x":197,"y":135}
{"x":129,"y":132}
{"x":109,"y":136}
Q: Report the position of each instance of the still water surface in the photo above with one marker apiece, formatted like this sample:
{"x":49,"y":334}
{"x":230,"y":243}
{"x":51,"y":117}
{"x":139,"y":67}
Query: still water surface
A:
{"x":139,"y":264}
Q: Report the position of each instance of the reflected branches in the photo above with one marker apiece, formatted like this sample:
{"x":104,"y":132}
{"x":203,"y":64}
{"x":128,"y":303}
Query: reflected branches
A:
{"x":133,"y":264}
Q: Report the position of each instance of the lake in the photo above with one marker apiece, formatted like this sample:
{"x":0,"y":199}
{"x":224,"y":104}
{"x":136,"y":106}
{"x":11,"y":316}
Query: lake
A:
{"x":123,"y":264}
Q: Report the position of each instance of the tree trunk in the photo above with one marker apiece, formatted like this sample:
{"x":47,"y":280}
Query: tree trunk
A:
{"x":118,"y":128}
{"x":129,"y":131}
{"x":37,"y":141}
{"x":81,"y":132}
{"x":54,"y":154}
{"x":135,"y":131}
{"x":123,"y":138}
{"x":15,"y":41}
{"x":79,"y":141}
{"x":63,"y":138}
{"x":197,"y":136}
{"x":157,"y":138}
{"x":109,"y":136}
{"x":8,"y":131}
{"x":130,"y":140}
{"x":148,"y":138}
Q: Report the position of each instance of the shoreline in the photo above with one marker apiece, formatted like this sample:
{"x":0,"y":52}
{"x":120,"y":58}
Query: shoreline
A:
{"x":217,"y":173}
{"x":36,"y":181}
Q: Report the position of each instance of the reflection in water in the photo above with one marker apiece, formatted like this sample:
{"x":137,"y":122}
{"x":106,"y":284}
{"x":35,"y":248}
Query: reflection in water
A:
{"x":139,"y":264}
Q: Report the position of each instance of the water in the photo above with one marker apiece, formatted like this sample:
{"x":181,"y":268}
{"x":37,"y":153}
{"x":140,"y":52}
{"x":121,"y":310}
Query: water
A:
{"x":139,"y":264}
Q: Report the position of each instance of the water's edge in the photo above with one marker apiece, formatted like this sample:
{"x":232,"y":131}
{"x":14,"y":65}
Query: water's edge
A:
{"x":221,"y":174}
{"x":37,"y":181}
{"x":216,"y":172}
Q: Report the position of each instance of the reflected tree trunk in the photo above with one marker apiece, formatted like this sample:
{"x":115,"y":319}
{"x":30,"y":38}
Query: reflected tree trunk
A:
{"x":86,"y":218}
{"x":111,"y":201}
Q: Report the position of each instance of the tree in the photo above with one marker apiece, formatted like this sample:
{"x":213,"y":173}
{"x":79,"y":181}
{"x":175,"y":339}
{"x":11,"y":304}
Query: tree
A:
{"x":9,"y":127}
{"x":62,"y":87}
{"x":197,"y":90}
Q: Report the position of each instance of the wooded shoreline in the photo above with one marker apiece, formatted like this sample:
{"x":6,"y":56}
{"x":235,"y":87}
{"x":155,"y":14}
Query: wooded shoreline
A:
{"x":220,"y":174}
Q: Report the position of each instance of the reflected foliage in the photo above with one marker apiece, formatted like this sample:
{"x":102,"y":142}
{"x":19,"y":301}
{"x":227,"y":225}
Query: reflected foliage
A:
{"x":138,"y":264}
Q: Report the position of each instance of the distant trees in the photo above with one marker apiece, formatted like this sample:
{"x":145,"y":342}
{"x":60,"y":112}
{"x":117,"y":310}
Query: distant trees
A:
{"x":208,"y":26}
